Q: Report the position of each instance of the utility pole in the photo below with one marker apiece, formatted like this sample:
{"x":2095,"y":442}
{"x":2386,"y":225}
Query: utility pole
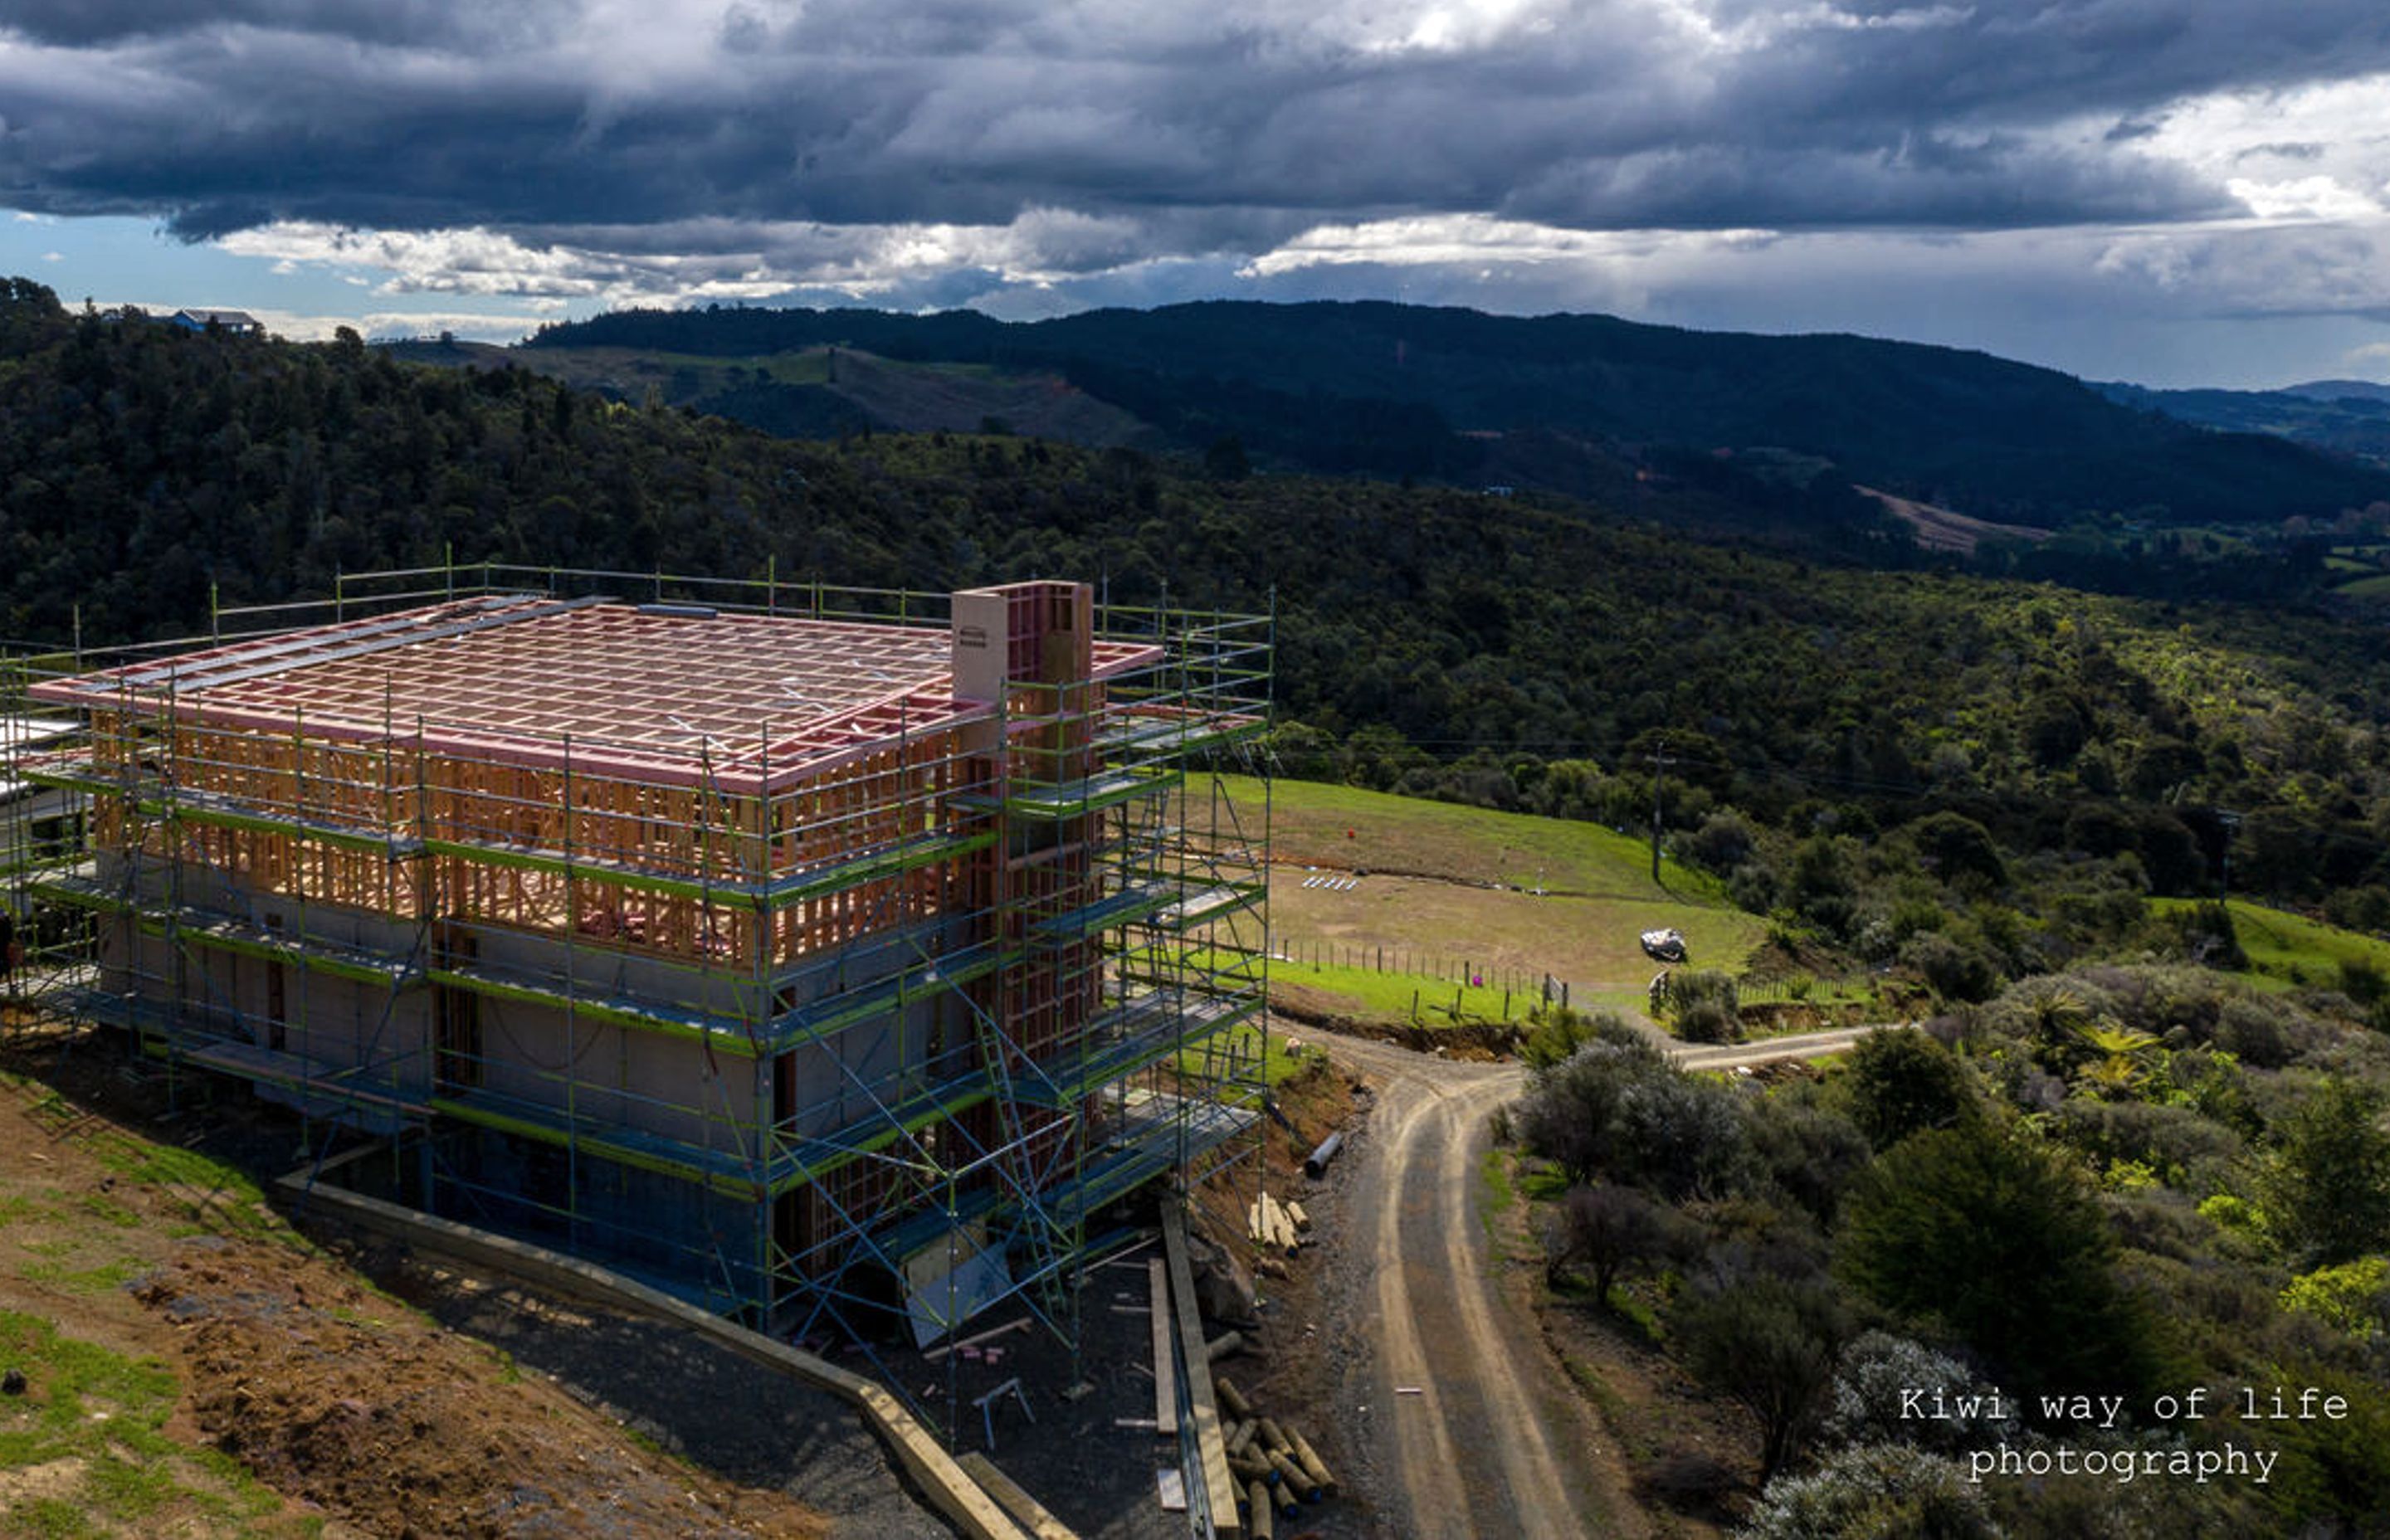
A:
{"x":1660,"y":760}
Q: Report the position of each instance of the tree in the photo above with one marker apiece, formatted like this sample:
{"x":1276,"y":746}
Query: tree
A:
{"x":1903,"y":1083}
{"x":1770,"y":1343}
{"x":1990,"y":1235}
{"x":1959,"y":850}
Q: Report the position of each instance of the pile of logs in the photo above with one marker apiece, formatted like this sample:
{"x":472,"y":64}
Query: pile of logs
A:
{"x":1275,"y":1224}
{"x":1279,"y":1470}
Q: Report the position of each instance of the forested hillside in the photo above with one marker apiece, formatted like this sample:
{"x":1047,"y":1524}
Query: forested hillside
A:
{"x":1512,"y":652}
{"x":2350,"y":417}
{"x":1394,"y":390}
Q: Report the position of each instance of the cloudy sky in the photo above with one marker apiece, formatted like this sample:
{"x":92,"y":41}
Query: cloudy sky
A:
{"x":2173,"y":191}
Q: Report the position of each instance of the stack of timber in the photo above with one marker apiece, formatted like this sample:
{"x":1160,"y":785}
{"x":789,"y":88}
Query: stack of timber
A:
{"x":1276,"y":1225}
{"x":1275,"y":1465}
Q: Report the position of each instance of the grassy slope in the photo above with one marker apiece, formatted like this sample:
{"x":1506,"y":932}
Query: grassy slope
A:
{"x":94,"y":1446}
{"x":2288,"y":951}
{"x":1451,"y":886}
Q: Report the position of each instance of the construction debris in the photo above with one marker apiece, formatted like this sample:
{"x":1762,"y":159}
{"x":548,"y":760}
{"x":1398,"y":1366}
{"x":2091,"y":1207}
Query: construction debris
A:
{"x":936,"y":1354}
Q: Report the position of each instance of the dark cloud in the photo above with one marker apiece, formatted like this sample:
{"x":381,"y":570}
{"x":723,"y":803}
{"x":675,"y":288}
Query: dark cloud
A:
{"x":85,"y":23}
{"x":1179,"y":130}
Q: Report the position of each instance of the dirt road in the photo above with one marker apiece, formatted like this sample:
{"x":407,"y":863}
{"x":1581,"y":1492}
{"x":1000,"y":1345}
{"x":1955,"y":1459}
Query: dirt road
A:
{"x":1465,"y":1427}
{"x":1464,"y":1423}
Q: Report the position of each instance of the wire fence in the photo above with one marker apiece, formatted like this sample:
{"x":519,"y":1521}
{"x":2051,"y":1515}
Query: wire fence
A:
{"x":1528,"y":986}
{"x":1450,"y":968}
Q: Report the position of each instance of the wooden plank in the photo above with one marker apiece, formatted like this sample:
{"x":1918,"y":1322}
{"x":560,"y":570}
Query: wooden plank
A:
{"x":1165,"y":1362}
{"x":1031,"y":1514}
{"x":1219,"y":1488}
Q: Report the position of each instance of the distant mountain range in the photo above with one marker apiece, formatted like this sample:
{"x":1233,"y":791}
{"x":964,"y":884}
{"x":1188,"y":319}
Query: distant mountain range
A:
{"x":1585,"y":404}
{"x":2343,"y":416}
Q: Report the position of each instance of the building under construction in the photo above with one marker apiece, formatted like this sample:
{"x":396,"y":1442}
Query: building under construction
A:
{"x":817,"y":955}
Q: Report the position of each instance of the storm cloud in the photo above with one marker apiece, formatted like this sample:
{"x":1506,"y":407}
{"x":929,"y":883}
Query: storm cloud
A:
{"x":569,"y":148}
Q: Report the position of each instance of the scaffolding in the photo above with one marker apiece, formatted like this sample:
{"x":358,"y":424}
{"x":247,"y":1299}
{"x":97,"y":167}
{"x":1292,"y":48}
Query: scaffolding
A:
{"x":835,"y":959}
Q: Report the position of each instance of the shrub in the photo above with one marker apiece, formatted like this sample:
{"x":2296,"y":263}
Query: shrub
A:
{"x":1556,"y":1032}
{"x":1959,"y":850}
{"x":2361,"y":979}
{"x":1707,"y":1022}
{"x":1874,"y":1492}
{"x":2174,"y":1141}
{"x":2354,"y":1296}
{"x":2255,"y":1032}
{"x":1689,"y":1480}
{"x":1867,"y":1397}
{"x":2205,"y":934}
{"x":1611,"y":1228}
{"x":1809,"y":1152}
{"x":1703,"y":1006}
{"x":1953,"y":969}
{"x":1725,"y":841}
{"x":1902,"y":1083}
{"x":1621,"y":1110}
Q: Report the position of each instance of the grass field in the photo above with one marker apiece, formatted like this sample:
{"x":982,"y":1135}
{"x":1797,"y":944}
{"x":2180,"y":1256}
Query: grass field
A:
{"x":1451,"y":888}
{"x":2288,"y":951}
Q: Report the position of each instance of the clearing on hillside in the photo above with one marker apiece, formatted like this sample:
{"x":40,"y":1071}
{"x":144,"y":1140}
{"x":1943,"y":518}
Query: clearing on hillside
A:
{"x":2288,"y":951}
